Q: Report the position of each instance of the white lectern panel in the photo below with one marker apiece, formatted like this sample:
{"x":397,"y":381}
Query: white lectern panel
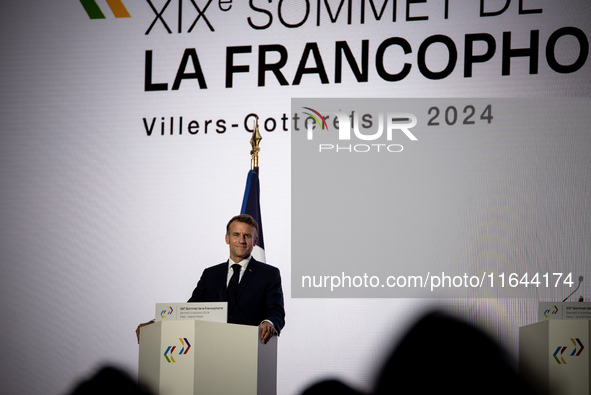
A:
{"x":555,"y":355}
{"x":200,"y":357}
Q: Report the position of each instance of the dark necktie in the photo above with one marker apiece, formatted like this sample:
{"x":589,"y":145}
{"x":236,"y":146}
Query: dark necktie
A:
{"x":233,"y":285}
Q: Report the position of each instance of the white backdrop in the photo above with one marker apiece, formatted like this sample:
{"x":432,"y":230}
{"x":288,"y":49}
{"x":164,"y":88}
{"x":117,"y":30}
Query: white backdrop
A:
{"x":100,"y":219}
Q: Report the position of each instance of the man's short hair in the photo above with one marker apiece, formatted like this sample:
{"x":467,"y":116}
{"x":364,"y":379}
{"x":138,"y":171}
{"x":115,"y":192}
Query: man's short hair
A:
{"x":244,"y":218}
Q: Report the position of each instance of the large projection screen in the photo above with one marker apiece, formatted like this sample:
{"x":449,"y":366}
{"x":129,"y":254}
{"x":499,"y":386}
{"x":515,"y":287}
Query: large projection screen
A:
{"x":124,"y":150}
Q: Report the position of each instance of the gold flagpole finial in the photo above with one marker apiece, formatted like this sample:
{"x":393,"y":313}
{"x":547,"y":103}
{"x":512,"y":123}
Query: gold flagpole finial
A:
{"x":255,"y":142}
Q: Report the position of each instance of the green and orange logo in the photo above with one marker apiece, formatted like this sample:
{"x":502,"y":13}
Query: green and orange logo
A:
{"x":95,"y":12}
{"x":318,"y":118}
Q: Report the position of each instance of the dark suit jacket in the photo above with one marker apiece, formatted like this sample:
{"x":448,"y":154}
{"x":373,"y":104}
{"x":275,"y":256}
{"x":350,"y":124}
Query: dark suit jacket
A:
{"x":259,"y":293}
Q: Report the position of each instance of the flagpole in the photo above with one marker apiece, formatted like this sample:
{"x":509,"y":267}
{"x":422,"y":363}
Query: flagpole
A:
{"x":255,"y":141}
{"x":251,"y":202}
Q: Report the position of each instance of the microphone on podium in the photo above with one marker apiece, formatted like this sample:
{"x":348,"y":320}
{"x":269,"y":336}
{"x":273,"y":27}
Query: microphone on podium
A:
{"x":580,"y":281}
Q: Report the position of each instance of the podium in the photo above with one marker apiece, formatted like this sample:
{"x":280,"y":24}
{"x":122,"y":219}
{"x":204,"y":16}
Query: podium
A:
{"x":182,"y":357}
{"x":554,"y":354}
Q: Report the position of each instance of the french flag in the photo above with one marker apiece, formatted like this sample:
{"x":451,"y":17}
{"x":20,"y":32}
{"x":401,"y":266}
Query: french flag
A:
{"x":251,"y":206}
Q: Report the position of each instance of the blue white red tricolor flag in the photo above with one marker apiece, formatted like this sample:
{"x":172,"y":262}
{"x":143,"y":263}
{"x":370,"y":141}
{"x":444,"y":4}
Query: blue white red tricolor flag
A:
{"x":251,"y":206}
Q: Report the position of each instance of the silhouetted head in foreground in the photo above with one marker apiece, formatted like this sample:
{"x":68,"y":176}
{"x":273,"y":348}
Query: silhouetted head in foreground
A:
{"x":112,"y":381}
{"x":441,"y":354}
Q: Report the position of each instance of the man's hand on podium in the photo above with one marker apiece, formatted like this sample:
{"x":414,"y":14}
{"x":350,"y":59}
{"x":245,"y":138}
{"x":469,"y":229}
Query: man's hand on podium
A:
{"x":267,"y":331}
{"x":137,"y":331}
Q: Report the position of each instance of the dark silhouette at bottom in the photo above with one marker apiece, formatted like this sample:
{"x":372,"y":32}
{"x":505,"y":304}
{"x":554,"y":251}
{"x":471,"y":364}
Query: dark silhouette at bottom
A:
{"x":111,"y":381}
{"x":441,"y":353}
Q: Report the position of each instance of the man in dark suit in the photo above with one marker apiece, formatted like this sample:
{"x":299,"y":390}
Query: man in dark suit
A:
{"x":251,"y":288}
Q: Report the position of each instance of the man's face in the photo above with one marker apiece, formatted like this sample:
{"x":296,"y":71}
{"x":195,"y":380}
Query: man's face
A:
{"x":241,"y":238}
